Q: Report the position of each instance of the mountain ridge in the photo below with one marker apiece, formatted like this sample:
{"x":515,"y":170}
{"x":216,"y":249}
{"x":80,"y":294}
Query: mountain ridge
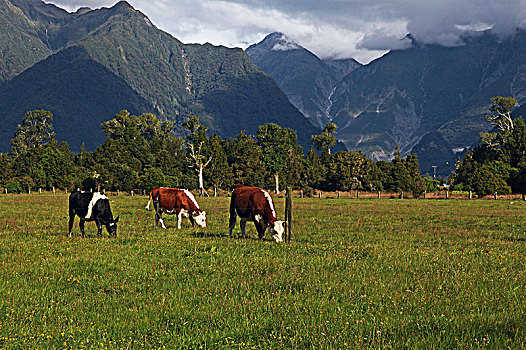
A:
{"x":154,"y":70}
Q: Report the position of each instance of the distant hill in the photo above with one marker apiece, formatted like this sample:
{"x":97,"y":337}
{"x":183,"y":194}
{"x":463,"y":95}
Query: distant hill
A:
{"x":89,"y":65}
{"x":307,"y":80}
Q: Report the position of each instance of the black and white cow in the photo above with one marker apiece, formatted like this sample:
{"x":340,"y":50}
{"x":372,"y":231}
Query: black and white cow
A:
{"x":92,"y":207}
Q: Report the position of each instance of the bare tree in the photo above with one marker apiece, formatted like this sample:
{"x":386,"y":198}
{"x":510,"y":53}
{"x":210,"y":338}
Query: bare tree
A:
{"x":197,"y":160}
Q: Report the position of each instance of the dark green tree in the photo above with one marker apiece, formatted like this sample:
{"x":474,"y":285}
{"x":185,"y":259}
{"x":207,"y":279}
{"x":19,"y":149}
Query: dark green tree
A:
{"x":275,"y":144}
{"x":244,"y":156}
{"x":315,"y":171}
{"x":125,"y":153}
{"x":5,"y":169}
{"x":36,"y":130}
{"x":347,"y":171}
{"x":485,"y":182}
{"x":294,"y":169}
{"x":326,"y":139}
{"x":219,"y":172}
{"x":501,"y":157}
{"x":501,"y":121}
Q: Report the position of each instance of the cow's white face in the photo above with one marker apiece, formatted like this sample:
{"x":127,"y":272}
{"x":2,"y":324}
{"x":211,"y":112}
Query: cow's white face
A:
{"x":277,"y":230}
{"x":200,"y":219}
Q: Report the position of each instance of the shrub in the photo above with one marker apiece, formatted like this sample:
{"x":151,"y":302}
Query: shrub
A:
{"x":14,"y":187}
{"x":308,"y":191}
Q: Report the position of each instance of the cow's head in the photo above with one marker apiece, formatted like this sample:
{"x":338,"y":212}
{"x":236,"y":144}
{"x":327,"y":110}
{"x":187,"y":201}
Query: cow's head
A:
{"x":277,"y":229}
{"x":200,"y":218}
{"x":111,"y":226}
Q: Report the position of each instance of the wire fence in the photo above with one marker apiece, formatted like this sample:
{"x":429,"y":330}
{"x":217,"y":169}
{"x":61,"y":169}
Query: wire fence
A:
{"x":443,"y":194}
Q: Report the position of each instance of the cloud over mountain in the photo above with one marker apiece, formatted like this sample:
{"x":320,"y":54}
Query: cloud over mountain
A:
{"x":329,"y":28}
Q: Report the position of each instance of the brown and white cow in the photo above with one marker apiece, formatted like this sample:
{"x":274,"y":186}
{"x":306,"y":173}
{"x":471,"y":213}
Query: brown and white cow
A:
{"x":255,"y":204}
{"x":180,"y":202}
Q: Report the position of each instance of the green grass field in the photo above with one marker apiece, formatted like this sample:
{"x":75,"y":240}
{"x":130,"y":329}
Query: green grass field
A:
{"x":359,"y":273}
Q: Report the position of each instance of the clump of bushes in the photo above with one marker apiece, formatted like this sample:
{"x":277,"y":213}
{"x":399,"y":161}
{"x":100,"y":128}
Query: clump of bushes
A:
{"x":308,"y":191}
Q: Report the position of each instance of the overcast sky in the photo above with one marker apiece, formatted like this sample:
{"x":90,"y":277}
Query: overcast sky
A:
{"x":362,"y":29}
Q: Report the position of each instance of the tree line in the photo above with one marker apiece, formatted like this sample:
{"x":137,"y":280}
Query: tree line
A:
{"x":142,"y":152}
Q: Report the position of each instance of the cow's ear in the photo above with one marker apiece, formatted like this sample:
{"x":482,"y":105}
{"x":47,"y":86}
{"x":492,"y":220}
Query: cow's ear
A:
{"x":117,"y":219}
{"x":203,"y":212}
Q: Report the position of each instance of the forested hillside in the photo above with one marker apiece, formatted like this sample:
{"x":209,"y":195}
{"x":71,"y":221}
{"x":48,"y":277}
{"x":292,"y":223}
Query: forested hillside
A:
{"x":94,"y":63}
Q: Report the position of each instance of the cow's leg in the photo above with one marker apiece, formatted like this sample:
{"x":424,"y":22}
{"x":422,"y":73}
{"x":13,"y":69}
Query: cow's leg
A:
{"x":232,"y":221}
{"x":156,"y":219}
{"x":99,"y":227}
{"x":81,"y":226}
{"x":242,"y":226}
{"x":159,"y":217}
{"x":162,"y":222}
{"x":71,"y":219}
{"x":261,"y":229}
{"x":192,"y":221}
{"x":158,"y":214}
{"x":179,"y":219}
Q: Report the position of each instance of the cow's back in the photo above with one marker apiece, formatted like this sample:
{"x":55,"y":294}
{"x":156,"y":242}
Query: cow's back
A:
{"x":174,"y":199}
{"x":248,"y":201}
{"x":79,"y":202}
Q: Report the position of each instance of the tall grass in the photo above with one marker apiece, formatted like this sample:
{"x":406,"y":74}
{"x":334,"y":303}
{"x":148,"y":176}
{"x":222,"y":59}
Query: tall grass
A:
{"x":359,"y":273}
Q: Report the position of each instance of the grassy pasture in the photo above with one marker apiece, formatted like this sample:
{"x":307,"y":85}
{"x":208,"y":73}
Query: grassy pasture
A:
{"x":360,"y":273}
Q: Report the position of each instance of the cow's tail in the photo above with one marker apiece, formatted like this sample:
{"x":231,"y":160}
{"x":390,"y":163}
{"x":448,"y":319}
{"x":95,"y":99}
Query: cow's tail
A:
{"x":147,"y":207}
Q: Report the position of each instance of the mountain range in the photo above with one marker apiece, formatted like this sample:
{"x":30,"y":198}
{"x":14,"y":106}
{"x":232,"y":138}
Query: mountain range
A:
{"x":427,"y":99}
{"x":86,"y":66}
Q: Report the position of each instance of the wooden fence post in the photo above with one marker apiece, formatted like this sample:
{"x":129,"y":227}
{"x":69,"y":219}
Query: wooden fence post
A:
{"x":357,"y":194}
{"x":447,"y":194}
{"x":301,"y":194}
{"x":402,"y":195}
{"x":288,"y":215}
{"x":338,"y":195}
{"x":379,"y":194}
{"x":319,"y":194}
{"x":470,"y":195}
{"x":495,"y":195}
{"x":425,"y":194}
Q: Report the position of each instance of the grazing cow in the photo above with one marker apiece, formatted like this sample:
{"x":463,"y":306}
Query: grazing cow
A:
{"x":180,"y":202}
{"x":153,"y":193}
{"x":255,"y":204}
{"x":92,"y":207}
